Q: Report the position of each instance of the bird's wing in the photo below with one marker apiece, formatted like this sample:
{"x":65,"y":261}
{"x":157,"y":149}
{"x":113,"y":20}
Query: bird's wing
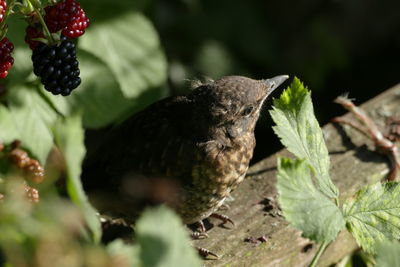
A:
{"x":153,"y":142}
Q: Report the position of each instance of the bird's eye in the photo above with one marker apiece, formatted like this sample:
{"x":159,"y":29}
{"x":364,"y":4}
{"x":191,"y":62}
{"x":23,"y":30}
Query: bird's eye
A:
{"x":247,"y":111}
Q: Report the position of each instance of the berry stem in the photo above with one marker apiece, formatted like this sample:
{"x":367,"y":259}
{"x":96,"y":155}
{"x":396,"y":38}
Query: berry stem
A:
{"x":321,"y":250}
{"x":46,"y":31}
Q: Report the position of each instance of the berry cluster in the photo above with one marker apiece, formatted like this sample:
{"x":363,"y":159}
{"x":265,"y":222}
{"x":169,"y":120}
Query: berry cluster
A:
{"x":67,"y":16}
{"x":20,"y":159}
{"x":6,"y":60}
{"x":31,"y":193}
{"x":6,"y":47}
{"x":57,"y":67}
{"x":30,"y":168}
{"x":3,"y":7}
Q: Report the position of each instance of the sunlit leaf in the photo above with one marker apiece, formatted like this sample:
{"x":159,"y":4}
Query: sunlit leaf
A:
{"x":373,"y":215}
{"x":304,"y":206}
{"x":130,"y":46}
{"x":32,"y":117}
{"x":300,"y":133}
{"x":388,"y":254}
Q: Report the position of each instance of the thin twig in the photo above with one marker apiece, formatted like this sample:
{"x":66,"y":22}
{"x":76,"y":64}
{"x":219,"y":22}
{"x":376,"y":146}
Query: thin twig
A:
{"x":371,"y":130}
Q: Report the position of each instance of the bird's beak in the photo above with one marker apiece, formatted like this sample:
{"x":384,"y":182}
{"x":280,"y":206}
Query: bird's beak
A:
{"x":274,"y":82}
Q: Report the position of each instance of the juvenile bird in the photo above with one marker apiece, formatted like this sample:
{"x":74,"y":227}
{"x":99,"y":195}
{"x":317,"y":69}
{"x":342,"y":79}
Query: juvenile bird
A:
{"x":201,"y":142}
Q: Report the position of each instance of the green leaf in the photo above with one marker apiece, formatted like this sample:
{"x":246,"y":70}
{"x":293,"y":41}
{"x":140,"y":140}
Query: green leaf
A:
{"x":22,"y":68}
{"x":303,"y":205}
{"x":99,"y":95}
{"x":373,"y":215}
{"x":299,"y":131}
{"x":388,"y":254}
{"x":32,"y":117}
{"x":163,"y":240}
{"x":69,"y":139}
{"x":130,"y":46}
{"x":8,"y":130}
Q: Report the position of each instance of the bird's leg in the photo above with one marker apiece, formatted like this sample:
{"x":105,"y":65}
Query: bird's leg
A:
{"x":205,"y":253}
{"x":200,"y":233}
{"x":225,"y":219}
{"x":200,"y":226}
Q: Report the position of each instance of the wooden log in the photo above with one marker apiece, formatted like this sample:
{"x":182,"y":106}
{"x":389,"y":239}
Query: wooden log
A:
{"x":256,"y":213}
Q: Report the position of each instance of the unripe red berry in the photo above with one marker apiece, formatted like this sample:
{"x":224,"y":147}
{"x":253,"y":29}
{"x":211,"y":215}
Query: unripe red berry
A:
{"x":6,"y":60}
{"x":67,"y":16}
{"x":3,"y":7}
{"x":30,"y":34}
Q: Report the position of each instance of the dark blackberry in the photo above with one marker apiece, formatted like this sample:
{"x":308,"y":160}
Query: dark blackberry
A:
{"x":57,"y":67}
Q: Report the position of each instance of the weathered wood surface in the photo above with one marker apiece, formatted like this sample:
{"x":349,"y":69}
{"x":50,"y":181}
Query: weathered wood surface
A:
{"x":354,"y":163}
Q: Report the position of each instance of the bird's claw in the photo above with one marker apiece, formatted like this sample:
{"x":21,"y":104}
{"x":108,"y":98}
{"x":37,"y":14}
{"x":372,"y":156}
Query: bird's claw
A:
{"x":198,"y":235}
{"x":201,"y":227}
{"x":205,"y":253}
{"x":225,"y":219}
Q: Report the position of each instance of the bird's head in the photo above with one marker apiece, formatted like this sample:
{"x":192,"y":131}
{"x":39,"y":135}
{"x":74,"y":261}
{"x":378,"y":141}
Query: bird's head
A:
{"x":233,"y":102}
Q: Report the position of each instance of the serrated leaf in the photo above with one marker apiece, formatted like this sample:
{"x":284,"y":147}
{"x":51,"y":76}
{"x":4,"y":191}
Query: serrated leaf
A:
{"x":305,"y":207}
{"x":373,"y":215}
{"x":299,"y":132}
{"x":130,"y":46}
{"x":69,"y":139}
{"x":388,"y":254}
{"x":163,"y":240}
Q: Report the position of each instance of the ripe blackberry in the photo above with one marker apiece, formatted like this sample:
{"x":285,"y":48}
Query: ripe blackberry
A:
{"x":57,"y":67}
{"x":6,"y":60}
{"x":67,"y":16}
{"x":3,"y":7}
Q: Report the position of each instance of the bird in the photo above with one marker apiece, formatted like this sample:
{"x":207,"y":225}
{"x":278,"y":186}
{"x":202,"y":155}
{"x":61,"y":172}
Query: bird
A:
{"x":190,"y":151}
